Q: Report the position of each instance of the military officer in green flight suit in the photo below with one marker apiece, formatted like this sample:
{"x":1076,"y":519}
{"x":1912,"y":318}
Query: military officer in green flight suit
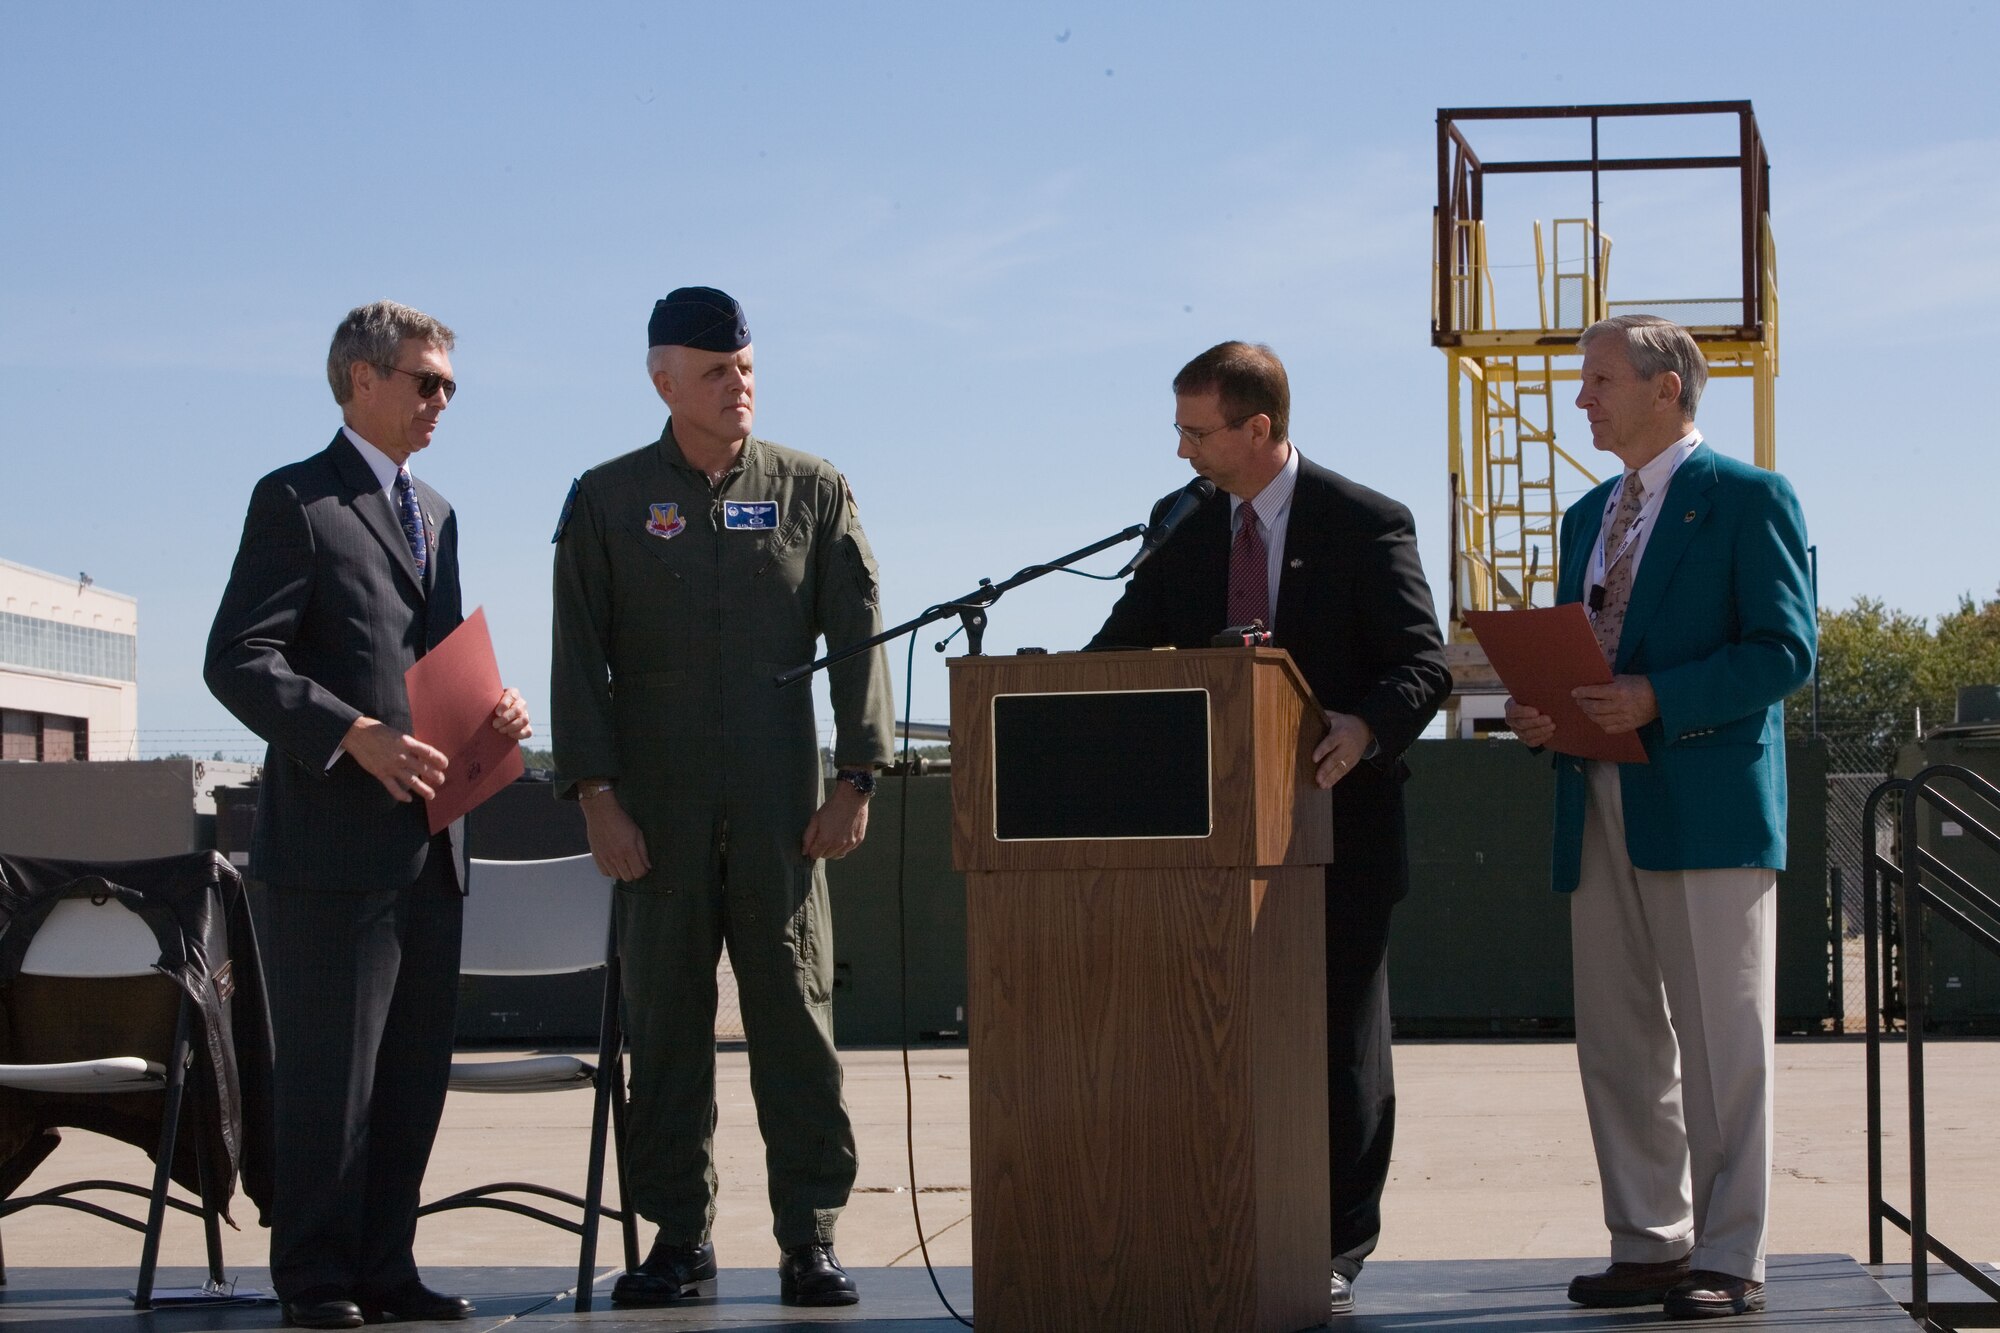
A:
{"x":688,"y":573}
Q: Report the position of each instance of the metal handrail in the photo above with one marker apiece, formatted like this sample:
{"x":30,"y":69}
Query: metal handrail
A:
{"x":1905,"y":907}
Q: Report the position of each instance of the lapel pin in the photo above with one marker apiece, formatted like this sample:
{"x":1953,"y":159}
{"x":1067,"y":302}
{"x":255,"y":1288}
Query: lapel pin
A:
{"x":1688,"y":517}
{"x":1297,"y":563}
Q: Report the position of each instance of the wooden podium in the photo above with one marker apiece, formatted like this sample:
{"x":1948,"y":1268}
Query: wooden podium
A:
{"x":1146,"y":953}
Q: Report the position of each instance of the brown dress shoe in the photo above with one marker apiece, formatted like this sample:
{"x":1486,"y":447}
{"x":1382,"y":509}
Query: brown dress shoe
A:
{"x":1703,"y":1294}
{"x":1627,"y":1284}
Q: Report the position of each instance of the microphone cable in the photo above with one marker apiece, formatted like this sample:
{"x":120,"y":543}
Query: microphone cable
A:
{"x":903,"y":977}
{"x":903,"y":936}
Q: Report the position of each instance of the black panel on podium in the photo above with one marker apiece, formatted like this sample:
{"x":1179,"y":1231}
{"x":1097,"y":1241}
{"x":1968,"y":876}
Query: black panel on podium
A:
{"x":1101,"y":764}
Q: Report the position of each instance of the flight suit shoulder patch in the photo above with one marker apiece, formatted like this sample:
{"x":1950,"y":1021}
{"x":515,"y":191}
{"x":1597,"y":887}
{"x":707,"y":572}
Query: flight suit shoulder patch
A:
{"x":569,"y":507}
{"x":861,"y":565}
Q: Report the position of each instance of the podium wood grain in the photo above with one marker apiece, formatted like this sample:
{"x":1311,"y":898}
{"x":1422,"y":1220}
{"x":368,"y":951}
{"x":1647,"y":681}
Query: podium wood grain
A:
{"x":1148,"y":1026}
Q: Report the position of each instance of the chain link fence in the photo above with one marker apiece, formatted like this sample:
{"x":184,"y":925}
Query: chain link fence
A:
{"x":1856,"y":763}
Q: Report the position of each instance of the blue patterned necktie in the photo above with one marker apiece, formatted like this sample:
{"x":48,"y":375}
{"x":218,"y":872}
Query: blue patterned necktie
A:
{"x":413,"y":520}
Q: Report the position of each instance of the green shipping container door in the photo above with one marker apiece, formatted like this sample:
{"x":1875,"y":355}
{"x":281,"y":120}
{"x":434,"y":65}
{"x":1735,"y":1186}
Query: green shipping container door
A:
{"x":1964,"y":993}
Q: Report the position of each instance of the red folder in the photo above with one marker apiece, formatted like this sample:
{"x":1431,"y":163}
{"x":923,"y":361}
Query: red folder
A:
{"x":1540,"y":656}
{"x":454,"y":689}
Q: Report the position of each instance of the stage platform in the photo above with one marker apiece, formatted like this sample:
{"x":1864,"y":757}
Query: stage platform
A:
{"x":1807,"y":1292}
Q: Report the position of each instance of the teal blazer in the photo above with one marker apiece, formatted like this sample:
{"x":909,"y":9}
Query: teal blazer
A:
{"x":1722,"y":622}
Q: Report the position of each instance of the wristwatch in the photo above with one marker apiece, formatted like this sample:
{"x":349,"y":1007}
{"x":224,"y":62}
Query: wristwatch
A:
{"x":861,"y":779}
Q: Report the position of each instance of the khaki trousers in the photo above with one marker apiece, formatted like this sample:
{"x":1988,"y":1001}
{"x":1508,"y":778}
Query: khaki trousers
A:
{"x":1675,"y":1015}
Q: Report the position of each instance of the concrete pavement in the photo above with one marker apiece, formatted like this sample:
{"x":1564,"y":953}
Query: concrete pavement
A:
{"x":1492,"y":1161}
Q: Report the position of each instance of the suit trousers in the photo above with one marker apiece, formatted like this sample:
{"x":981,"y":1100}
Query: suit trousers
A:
{"x":770,"y":904}
{"x":364,"y":1001}
{"x":1675,"y":977}
{"x":1360,"y":1076}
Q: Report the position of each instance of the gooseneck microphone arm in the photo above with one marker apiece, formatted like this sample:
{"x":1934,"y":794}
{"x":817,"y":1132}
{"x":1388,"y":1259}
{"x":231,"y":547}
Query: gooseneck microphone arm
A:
{"x":970,"y":609}
{"x":1192,"y":497}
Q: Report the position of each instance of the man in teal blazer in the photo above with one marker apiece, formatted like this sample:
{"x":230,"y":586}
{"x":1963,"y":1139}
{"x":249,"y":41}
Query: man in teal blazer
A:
{"x":1693,"y":568}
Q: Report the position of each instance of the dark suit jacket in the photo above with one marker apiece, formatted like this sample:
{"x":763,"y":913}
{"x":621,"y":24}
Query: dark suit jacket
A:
{"x":323,"y":614}
{"x":1354,"y":611}
{"x":195,"y":905}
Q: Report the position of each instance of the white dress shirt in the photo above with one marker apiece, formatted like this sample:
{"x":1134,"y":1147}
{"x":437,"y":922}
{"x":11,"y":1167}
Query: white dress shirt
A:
{"x":1655,"y":477}
{"x":383,"y":466}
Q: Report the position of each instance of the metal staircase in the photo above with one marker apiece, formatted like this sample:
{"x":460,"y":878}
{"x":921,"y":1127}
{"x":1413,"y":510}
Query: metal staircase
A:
{"x":1906,"y":891}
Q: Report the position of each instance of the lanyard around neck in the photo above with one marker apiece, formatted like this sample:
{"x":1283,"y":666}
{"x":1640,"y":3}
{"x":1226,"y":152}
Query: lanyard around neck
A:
{"x":1600,"y":566}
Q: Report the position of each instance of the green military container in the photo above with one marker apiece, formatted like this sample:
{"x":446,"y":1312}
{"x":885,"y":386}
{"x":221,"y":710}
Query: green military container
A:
{"x":1479,"y":948}
{"x":867,"y":1003}
{"x":1482,"y":946}
{"x":1963,"y":994}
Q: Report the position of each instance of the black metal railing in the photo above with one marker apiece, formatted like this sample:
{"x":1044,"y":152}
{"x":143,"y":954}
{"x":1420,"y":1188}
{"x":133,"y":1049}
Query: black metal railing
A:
{"x":1903,"y":892}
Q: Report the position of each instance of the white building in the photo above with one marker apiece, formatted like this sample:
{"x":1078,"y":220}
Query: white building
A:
{"x":69,"y":668}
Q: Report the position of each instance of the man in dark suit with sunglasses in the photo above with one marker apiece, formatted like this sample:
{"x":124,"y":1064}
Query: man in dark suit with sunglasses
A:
{"x":347,"y":574}
{"x":1330,"y":568}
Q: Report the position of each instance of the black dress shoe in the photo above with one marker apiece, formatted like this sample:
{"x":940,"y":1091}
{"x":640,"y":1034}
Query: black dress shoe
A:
{"x":321,"y":1307}
{"x":683,"y":1271}
{"x":1704,"y":1294}
{"x":811,"y":1275}
{"x":412,"y":1301}
{"x":1625,"y":1284}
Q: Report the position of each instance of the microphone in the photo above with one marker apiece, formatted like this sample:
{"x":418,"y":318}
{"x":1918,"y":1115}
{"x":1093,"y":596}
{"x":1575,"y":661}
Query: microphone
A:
{"x":1192,"y":498}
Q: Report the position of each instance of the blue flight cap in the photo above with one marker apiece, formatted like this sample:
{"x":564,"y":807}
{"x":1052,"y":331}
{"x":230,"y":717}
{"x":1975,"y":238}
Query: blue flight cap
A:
{"x":699,"y":317}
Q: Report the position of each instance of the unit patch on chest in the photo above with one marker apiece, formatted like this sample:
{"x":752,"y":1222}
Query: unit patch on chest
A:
{"x":749,"y":515}
{"x":665,"y":520}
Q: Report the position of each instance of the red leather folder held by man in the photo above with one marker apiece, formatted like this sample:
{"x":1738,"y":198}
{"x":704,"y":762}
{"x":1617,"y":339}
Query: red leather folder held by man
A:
{"x":454,"y":689}
{"x":1540,"y":656}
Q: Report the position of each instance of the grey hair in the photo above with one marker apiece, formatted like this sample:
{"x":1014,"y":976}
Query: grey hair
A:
{"x":1654,"y":345}
{"x":656,"y":359}
{"x":374,"y":334}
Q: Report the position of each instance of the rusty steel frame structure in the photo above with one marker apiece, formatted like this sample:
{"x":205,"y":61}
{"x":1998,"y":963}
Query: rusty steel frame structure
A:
{"x":1503,"y":510}
{"x":1462,"y":198}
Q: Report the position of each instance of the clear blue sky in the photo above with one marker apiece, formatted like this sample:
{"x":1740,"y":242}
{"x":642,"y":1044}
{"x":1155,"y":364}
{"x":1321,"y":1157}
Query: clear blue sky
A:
{"x":975,"y":243}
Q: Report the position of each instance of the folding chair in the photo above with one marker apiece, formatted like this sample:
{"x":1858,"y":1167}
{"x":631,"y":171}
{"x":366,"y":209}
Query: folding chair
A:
{"x":542,"y":918}
{"x":99,"y":938}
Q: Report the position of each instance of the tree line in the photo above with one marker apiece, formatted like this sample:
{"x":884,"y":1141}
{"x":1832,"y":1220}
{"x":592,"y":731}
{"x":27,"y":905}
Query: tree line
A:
{"x":1881,"y":668}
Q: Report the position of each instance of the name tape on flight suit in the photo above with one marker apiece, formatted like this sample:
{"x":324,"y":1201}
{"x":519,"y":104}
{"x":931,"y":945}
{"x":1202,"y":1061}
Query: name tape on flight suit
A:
{"x":750,"y":515}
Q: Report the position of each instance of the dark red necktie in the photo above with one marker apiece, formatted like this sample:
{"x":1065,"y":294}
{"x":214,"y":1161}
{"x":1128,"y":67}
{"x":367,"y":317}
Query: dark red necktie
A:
{"x":1249,"y":573}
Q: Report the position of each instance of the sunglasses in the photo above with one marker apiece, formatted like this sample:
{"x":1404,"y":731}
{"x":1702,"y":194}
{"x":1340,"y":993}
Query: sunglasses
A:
{"x":428,"y":381}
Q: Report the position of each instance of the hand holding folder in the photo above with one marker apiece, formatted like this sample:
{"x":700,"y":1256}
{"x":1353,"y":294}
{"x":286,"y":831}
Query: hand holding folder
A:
{"x":454,"y":689}
{"x":1542,"y":655}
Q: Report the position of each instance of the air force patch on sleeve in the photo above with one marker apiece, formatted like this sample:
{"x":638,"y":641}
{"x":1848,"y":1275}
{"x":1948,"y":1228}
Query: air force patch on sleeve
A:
{"x":750,"y":515}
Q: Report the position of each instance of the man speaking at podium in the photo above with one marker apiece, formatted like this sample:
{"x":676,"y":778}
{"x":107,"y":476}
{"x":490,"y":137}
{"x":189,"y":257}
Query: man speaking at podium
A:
{"x":1331,"y":569}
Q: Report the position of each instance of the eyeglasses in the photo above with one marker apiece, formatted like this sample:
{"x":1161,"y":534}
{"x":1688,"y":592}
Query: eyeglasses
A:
{"x":428,"y":381}
{"x":1193,"y":436}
